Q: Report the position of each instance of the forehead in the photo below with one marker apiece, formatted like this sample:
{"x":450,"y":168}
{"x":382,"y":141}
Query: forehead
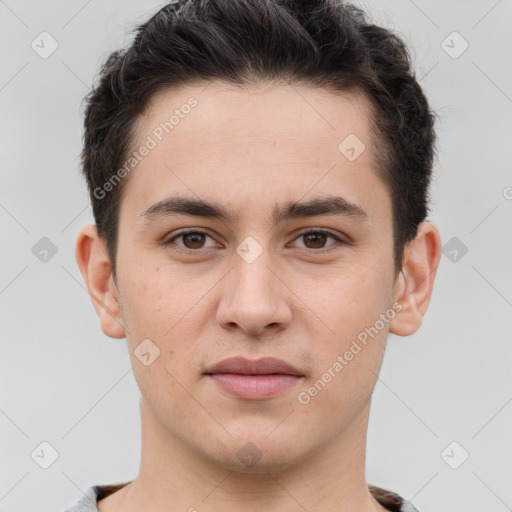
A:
{"x":235,"y":144}
{"x":220,"y":110}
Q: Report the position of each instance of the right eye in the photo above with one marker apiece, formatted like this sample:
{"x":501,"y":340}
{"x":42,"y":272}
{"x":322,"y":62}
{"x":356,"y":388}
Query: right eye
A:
{"x":192,"y":239}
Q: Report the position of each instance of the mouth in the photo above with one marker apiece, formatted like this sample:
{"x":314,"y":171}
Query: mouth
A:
{"x":254,"y":380}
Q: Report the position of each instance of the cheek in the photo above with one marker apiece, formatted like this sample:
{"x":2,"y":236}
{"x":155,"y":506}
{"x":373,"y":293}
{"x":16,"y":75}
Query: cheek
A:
{"x":354,"y":335}
{"x":345,"y":376}
{"x":156,"y":314}
{"x":349,"y":301}
{"x":146,"y":295}
{"x":162,"y":309}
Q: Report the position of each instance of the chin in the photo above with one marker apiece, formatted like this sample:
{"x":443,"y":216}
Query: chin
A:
{"x":258,"y":454}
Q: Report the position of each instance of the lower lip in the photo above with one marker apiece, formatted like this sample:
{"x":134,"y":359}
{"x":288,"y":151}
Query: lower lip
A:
{"x":255,"y":387}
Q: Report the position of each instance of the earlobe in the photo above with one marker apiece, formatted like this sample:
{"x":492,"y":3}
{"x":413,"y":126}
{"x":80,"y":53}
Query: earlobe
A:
{"x":95,"y":266}
{"x":415,"y":282}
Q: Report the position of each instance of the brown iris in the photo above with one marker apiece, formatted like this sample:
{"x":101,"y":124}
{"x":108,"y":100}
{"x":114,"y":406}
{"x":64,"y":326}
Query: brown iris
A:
{"x":197,"y":239}
{"x":316,"y":238}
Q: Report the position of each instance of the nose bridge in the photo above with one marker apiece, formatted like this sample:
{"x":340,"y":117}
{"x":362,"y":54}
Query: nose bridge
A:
{"x":253,"y":279}
{"x":253,"y":298}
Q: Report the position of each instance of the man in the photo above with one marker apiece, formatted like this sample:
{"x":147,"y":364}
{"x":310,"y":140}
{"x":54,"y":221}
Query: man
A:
{"x":259,"y":175}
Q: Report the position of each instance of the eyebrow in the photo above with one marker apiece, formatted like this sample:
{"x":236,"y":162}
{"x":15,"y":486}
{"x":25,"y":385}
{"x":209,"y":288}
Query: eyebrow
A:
{"x":331,"y":205}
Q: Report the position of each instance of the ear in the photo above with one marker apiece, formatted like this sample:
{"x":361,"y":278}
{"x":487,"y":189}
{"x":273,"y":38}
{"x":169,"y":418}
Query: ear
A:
{"x":91,"y":256}
{"x":415,"y":282}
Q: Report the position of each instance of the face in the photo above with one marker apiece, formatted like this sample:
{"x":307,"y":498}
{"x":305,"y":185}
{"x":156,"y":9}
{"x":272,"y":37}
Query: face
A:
{"x":311,"y":284}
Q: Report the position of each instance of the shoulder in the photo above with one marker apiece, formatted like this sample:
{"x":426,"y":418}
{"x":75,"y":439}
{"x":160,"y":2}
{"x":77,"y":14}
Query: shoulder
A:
{"x":391,"y":500}
{"x":89,"y":501}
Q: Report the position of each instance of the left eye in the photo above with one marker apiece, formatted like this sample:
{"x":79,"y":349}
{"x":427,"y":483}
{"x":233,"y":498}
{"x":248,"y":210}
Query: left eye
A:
{"x":317,"y":238}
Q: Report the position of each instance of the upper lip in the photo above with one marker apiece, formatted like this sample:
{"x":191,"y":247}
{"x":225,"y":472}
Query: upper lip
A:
{"x":263,"y":366}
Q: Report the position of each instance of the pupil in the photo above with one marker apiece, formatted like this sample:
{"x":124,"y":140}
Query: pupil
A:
{"x":317,"y":236}
{"x":198,"y":239}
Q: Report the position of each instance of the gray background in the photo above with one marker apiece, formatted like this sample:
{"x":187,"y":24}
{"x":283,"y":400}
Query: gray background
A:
{"x":64,"y":382}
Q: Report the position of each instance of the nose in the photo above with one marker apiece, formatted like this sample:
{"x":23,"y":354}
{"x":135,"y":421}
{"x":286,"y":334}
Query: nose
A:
{"x":253,"y":297}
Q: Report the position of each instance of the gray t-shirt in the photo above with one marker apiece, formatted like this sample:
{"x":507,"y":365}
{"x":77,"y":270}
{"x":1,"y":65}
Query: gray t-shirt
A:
{"x":88,"y":502}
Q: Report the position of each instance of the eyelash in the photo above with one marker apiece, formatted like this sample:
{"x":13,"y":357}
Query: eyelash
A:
{"x":170,"y":241}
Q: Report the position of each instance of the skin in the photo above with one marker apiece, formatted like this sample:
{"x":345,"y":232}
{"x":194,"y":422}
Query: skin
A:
{"x":249,"y":150}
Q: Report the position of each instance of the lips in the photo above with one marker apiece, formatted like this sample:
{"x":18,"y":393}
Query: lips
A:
{"x":253,"y":380}
{"x":263,"y":366}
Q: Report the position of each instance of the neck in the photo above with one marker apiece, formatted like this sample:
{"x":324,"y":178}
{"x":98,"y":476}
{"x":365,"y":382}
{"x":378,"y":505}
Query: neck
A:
{"x":174,"y":477}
